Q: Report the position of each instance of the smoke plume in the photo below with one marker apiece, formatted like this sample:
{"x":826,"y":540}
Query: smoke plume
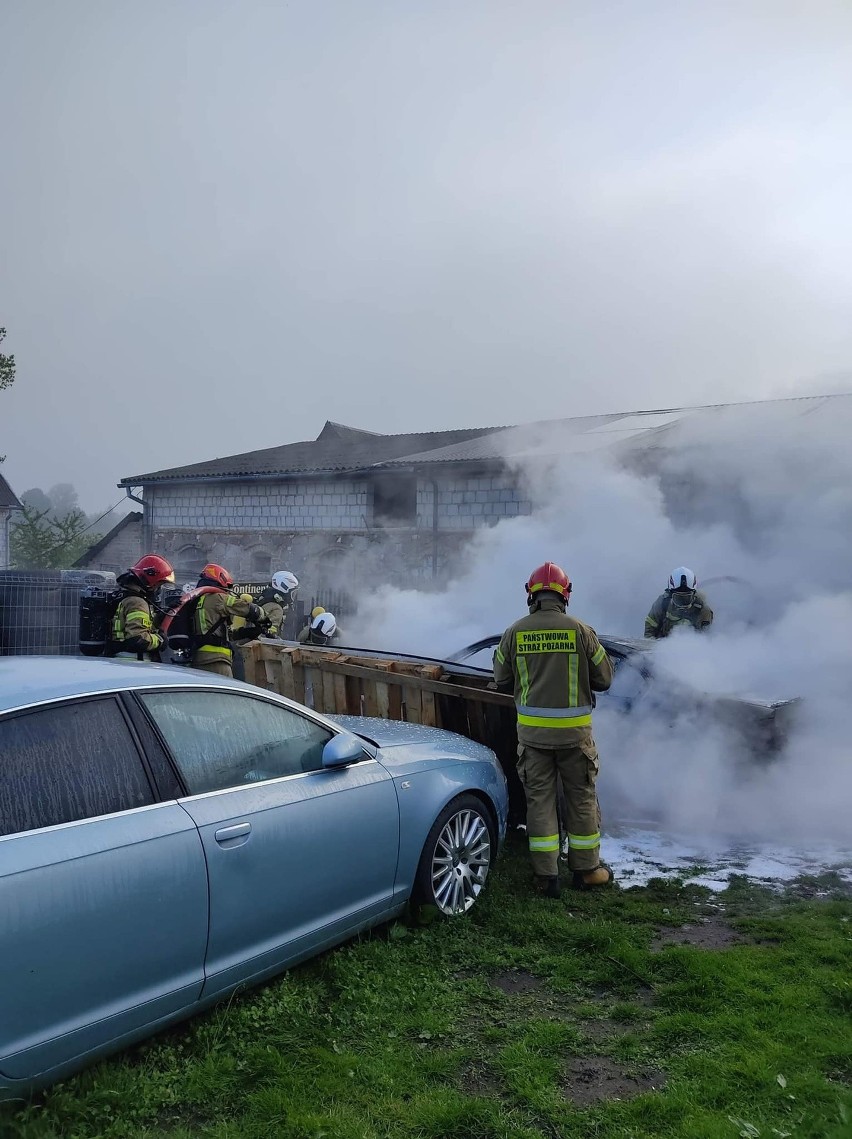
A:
{"x":758,"y":501}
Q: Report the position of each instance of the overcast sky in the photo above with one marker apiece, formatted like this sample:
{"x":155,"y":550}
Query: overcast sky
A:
{"x":223,"y":223}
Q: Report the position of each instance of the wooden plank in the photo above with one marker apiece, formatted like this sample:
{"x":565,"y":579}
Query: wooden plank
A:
{"x":429,"y":711}
{"x":442,"y":687}
{"x":313,"y":689}
{"x":287,"y":686}
{"x":272,"y":674}
{"x":394,"y":702}
{"x":352,"y":695}
{"x":298,"y":678}
{"x":413,"y":699}
{"x":432,"y":671}
{"x":382,"y":698}
{"x":341,"y":704}
{"x":476,"y":719}
{"x":329,"y":696}
{"x":368,"y":704}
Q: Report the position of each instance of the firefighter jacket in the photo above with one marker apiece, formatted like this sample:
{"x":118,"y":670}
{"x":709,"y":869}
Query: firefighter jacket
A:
{"x":666,"y":613}
{"x":555,"y":664}
{"x":213,"y":613}
{"x":240,"y":622}
{"x":275,"y":605}
{"x":133,"y":625}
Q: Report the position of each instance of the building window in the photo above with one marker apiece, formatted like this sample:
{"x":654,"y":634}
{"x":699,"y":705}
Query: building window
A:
{"x":189,"y":562}
{"x":395,"y":500}
{"x":261,"y":563}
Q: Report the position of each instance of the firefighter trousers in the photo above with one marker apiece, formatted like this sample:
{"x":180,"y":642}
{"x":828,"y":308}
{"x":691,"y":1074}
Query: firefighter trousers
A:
{"x":540,"y":771}
{"x":218,"y":665}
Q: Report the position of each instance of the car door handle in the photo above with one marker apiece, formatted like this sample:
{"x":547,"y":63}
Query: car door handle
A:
{"x":233,"y":836}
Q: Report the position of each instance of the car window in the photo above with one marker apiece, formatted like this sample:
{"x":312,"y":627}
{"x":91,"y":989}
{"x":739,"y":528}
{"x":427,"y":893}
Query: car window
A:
{"x":221,"y":739}
{"x":68,"y":762}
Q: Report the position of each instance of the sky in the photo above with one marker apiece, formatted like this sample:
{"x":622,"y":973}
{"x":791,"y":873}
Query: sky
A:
{"x":223,"y":224}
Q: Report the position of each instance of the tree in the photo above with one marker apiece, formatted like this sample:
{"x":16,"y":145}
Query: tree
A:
{"x":7,"y":365}
{"x":41,"y":542}
{"x":7,"y":371}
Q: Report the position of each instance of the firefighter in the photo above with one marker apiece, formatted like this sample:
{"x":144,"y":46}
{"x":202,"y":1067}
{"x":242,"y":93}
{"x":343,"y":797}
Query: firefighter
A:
{"x":276,"y":599}
{"x":134,"y":631}
{"x":682,"y":604}
{"x":212,"y":618}
{"x":321,"y":630}
{"x":555,"y":664}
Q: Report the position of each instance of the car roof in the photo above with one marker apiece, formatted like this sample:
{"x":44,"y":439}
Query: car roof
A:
{"x":31,"y":680}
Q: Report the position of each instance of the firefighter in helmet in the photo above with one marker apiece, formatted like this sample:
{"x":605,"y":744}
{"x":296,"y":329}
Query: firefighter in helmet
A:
{"x":682,"y":604}
{"x":134,"y":631}
{"x":277,"y":598}
{"x":321,"y":629}
{"x":555,"y":663}
{"x":212,"y":619}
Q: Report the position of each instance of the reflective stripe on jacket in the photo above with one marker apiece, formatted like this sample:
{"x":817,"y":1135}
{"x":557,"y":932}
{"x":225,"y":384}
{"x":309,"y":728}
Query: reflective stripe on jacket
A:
{"x":212,"y":618}
{"x":555,"y":663}
{"x":133,"y":626}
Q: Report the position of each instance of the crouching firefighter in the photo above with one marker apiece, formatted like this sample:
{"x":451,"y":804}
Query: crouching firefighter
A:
{"x":555,"y":663}
{"x":134,"y":632}
{"x":683,"y":605}
{"x":214,"y":610}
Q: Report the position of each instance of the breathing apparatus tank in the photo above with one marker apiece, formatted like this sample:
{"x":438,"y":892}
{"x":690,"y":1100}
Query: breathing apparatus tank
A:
{"x":97,"y":607}
{"x":178,"y":624}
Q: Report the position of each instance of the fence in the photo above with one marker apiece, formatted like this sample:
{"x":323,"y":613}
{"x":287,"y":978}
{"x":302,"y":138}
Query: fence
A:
{"x":339,"y":683}
{"x":40,"y":610}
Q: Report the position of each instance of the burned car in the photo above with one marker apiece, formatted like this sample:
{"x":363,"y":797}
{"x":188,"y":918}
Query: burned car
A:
{"x":642,"y":685}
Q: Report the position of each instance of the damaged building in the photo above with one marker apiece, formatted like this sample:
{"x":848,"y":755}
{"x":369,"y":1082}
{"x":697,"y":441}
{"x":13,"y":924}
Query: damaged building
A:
{"x":399,"y":507}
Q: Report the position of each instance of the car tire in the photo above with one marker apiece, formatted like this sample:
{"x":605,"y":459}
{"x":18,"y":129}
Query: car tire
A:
{"x":457,"y":856}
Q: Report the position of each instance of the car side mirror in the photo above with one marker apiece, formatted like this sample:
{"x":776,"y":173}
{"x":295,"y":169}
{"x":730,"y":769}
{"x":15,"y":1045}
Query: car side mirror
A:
{"x":343,"y":749}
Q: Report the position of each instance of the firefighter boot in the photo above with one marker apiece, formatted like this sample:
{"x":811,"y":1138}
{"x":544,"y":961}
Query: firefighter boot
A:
{"x":546,"y":886}
{"x":592,"y":879}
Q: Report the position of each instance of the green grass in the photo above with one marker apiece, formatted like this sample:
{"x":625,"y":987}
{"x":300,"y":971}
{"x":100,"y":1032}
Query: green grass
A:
{"x":477,"y":1028}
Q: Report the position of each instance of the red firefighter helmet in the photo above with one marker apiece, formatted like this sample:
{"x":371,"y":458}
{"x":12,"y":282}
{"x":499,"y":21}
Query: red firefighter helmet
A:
{"x":218,"y":575}
{"x":152,"y":571}
{"x":549,"y":576}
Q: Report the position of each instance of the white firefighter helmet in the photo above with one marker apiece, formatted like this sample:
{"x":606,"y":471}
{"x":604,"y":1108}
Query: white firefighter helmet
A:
{"x":286,"y":583}
{"x":682,"y":579}
{"x":325,"y":625}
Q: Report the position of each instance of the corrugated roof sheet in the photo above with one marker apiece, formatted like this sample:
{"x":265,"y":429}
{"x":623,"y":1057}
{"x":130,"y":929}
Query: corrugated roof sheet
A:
{"x":626,"y":430}
{"x":337,"y":449}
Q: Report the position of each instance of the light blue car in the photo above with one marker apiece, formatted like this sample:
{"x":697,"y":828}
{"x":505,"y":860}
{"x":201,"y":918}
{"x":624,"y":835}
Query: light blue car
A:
{"x":167,"y":836}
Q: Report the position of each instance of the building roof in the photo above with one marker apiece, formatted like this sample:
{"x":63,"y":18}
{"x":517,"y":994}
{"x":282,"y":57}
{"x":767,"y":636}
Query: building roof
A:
{"x":626,"y":431}
{"x":8,"y":499}
{"x":336,"y":450}
{"x":101,"y":544}
{"x":339,"y":449}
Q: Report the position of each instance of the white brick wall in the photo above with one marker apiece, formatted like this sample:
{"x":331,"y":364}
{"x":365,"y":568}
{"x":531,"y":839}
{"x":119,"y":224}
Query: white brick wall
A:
{"x":468,"y":503}
{"x":319,"y":505}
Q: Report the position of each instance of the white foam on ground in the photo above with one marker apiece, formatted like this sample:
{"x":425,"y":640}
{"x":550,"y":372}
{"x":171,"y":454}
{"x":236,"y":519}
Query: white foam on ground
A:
{"x":637,"y":855}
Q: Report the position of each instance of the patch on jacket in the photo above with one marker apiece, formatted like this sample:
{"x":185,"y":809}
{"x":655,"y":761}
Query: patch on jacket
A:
{"x":546,"y":640}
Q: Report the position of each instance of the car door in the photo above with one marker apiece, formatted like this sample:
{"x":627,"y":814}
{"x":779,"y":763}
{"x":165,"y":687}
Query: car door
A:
{"x":297,"y":855}
{"x":103,"y":890}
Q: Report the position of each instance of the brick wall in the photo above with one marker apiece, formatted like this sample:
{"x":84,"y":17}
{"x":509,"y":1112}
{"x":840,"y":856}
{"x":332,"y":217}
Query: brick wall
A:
{"x":468,"y":503}
{"x":320,"y":505}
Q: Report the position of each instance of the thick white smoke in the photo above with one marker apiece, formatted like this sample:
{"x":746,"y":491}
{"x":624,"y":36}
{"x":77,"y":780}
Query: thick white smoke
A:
{"x":758,"y":497}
